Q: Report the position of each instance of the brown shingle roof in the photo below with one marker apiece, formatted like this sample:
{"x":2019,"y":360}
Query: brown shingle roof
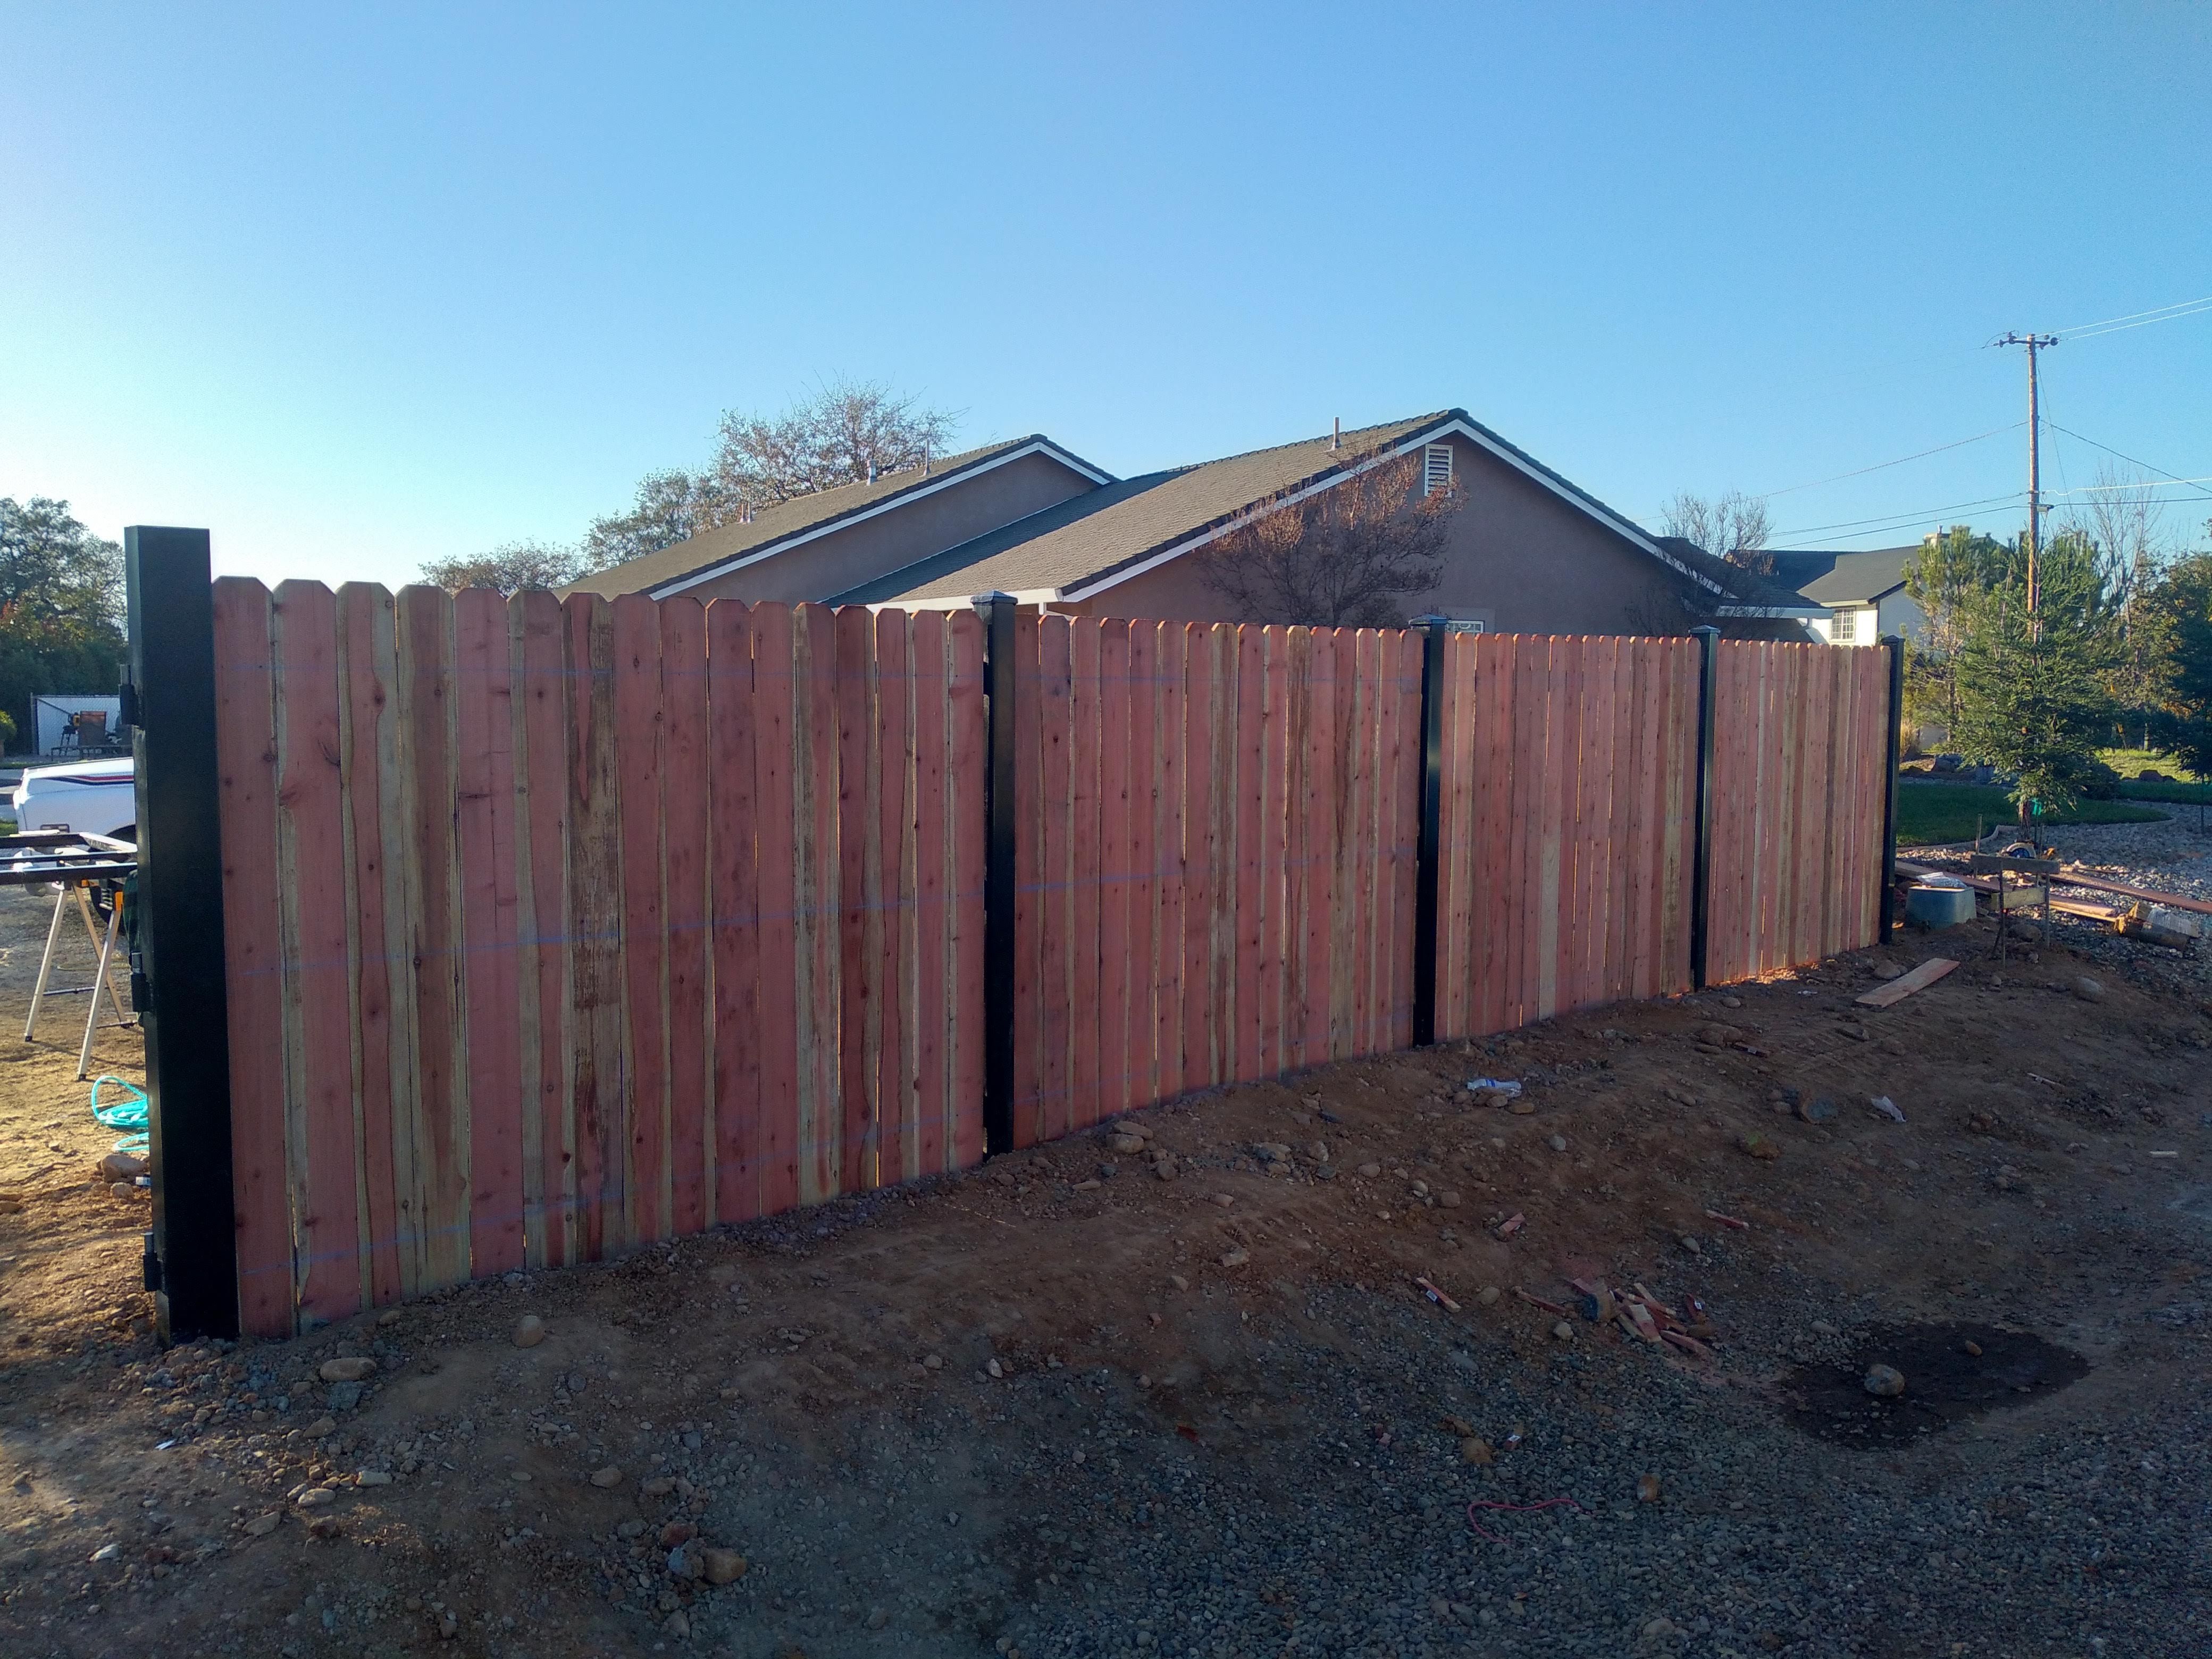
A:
{"x":805,"y":515}
{"x":1103,"y":531}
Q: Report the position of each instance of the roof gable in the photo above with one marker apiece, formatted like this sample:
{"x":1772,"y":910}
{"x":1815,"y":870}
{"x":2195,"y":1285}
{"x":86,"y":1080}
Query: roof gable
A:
{"x":1094,"y":543}
{"x":1833,"y":579}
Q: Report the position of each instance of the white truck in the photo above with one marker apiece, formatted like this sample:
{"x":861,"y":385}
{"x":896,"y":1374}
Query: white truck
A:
{"x":92,"y":797}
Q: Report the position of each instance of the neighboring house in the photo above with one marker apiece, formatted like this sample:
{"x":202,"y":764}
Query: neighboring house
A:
{"x":1530,"y":552}
{"x":1864,"y":594}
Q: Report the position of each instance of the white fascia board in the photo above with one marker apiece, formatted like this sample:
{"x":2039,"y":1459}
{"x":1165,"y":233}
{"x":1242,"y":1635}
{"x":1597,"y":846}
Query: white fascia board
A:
{"x":1083,"y":590}
{"x":1039,"y":597}
{"x":754,"y":556}
{"x":1798,"y":612}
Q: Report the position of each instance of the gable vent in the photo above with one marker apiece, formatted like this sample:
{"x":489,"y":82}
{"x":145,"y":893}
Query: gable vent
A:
{"x":1435,"y":469}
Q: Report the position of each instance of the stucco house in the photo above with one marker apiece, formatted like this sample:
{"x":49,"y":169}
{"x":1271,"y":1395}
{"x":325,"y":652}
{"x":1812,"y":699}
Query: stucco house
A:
{"x":1529,"y":552}
{"x":1864,"y":594}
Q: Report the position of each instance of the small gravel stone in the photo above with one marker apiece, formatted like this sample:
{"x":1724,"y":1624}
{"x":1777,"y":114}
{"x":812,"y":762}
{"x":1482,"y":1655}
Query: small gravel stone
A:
{"x":529,"y":1331}
{"x":350,"y":1369}
{"x":1885,"y":1381}
{"x":607,"y":1478}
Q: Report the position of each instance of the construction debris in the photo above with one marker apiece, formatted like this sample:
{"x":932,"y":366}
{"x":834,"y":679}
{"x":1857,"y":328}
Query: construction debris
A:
{"x":1898,"y":989}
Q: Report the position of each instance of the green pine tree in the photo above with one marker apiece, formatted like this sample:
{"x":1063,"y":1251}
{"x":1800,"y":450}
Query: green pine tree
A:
{"x":2180,"y":601}
{"x":2031,"y":690}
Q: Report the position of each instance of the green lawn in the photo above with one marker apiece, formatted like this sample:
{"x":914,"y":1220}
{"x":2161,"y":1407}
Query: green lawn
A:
{"x":1929,"y":812}
{"x":2128,"y":762}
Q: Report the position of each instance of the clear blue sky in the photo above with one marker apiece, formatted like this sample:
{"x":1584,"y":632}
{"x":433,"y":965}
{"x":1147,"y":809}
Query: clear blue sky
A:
{"x":357,"y":285}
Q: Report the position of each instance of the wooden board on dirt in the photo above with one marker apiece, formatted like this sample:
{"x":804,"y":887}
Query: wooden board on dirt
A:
{"x":1918,"y":980}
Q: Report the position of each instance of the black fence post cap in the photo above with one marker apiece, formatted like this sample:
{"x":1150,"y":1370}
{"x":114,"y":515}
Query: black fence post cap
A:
{"x":981,"y":600}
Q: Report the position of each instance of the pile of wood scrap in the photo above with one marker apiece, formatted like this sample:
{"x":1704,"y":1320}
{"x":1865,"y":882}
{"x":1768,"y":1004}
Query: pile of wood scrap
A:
{"x":2131,"y":919}
{"x":1645,"y":1318}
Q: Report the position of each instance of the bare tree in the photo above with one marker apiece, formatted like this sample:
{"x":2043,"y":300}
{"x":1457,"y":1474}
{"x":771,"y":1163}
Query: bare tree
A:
{"x":1665,"y":608}
{"x":510,"y":568}
{"x":672,"y":506}
{"x":849,"y":432}
{"x":1337,"y":558}
{"x":1735,"y":527}
{"x":2126,"y":519}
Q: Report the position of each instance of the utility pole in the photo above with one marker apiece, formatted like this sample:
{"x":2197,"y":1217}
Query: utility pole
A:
{"x":2034,"y":343}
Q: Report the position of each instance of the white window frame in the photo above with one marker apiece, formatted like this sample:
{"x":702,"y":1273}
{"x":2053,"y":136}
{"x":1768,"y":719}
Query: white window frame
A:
{"x":1843,"y":626}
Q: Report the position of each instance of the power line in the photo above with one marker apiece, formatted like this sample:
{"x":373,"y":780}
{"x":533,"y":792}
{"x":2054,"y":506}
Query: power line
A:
{"x":2130,"y":459}
{"x":2162,"y":483}
{"x":1878,"y":466}
{"x":1906,"y":517}
{"x":2138,"y":318}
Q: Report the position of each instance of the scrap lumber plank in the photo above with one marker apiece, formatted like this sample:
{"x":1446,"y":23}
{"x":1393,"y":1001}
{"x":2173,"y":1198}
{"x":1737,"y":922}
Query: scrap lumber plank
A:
{"x":2073,"y":876}
{"x":1898,"y":989}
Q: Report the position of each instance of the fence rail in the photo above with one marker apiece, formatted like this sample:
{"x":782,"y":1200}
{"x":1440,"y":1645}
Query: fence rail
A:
{"x":556,"y":926}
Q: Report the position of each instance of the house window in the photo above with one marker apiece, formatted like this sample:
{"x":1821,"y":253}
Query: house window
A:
{"x":1843,"y":628}
{"x":1436,"y":469}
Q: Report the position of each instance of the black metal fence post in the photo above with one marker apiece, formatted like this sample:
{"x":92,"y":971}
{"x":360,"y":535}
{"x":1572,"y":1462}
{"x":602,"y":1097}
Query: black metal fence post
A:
{"x":1701,"y":866}
{"x":1894,"y":643}
{"x":1429,"y":860}
{"x":194,"y":1266}
{"x":1001,"y":678}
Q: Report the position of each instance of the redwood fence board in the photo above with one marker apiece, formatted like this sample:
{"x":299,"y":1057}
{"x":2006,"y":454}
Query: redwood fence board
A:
{"x":559,"y":927}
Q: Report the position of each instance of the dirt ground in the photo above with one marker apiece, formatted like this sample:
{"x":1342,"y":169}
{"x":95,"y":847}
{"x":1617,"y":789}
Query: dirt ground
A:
{"x":1069,"y":1404}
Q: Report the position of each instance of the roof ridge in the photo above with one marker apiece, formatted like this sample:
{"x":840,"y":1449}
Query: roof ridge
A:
{"x":1401,"y":427}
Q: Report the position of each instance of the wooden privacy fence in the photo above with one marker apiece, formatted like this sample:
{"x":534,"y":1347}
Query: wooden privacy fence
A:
{"x":556,"y":926}
{"x":1799,"y":789}
{"x":1566,"y":824}
{"x":1215,"y":857}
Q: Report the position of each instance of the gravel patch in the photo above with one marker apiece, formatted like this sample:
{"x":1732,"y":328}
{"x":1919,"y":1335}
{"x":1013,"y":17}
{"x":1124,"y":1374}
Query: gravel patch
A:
{"x":2170,"y":855}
